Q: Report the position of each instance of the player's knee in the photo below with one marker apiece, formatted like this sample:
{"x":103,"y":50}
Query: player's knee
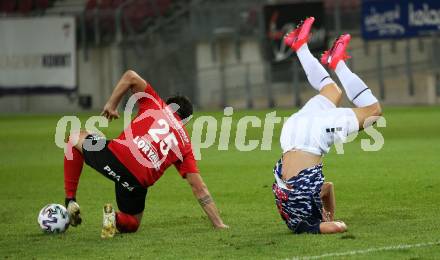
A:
{"x":126,"y":223}
{"x":368,"y":115}
{"x":76,"y":140}
{"x":338,"y":92}
{"x":326,"y":188}
{"x":373,"y":110}
{"x":75,"y":137}
{"x":71,"y":138}
{"x":376,"y":110}
{"x":329,"y":184}
{"x":332,"y":92}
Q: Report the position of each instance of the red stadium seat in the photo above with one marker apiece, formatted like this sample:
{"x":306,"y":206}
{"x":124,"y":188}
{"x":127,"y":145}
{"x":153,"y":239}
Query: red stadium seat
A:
{"x":8,"y":6}
{"x":138,"y":11}
{"x":105,"y":4}
{"x":136,"y":14}
{"x":91,"y":4}
{"x":41,"y":4}
{"x":107,"y":18}
{"x":25,"y":6}
{"x":349,"y":5}
{"x":329,"y":5}
{"x":117,"y":3}
{"x":163,"y":5}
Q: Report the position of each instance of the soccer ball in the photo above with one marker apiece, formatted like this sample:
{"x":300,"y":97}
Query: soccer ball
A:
{"x":53,"y":218}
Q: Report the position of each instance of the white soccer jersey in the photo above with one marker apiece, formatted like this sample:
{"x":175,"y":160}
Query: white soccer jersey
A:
{"x":317,"y":126}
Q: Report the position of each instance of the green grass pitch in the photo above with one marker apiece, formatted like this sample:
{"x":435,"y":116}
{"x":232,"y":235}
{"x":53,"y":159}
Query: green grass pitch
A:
{"x":387,"y":198}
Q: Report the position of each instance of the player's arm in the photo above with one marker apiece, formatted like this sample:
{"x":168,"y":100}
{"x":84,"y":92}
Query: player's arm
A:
{"x":201,"y":192}
{"x":332,"y":227}
{"x":328,"y":201}
{"x":130,"y":80}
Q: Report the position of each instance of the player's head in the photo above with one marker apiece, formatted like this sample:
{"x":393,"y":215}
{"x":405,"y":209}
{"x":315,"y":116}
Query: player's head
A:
{"x":185,"y":109}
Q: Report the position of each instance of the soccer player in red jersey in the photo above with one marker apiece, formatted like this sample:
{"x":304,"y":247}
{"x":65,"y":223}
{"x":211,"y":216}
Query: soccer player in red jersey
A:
{"x":155,"y":139}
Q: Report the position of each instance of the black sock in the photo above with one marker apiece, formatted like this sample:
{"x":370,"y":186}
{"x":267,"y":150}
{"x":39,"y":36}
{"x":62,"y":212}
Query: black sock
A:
{"x":67,"y":200}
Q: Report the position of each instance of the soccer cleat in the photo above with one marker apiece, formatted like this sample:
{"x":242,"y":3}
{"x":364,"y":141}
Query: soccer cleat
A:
{"x":296,"y":38}
{"x":337,"y":52}
{"x":108,"y":222}
{"x":74,"y":213}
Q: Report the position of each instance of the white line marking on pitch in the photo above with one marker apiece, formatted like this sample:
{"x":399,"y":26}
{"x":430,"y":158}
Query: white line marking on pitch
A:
{"x":369,"y":250}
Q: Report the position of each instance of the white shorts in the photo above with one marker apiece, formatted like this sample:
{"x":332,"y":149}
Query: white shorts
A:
{"x":317,"y":126}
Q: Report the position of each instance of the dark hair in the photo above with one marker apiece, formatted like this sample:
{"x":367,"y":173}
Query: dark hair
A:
{"x":185,"y":106}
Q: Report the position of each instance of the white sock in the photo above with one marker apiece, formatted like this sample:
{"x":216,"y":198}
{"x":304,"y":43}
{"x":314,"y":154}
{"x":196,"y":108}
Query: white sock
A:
{"x":357,"y":91}
{"x":316,"y":74}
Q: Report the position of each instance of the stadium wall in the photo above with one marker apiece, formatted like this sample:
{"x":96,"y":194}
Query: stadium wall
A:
{"x":229,"y":72}
{"x":382,"y":64}
{"x":240,"y":70}
{"x":96,"y":78}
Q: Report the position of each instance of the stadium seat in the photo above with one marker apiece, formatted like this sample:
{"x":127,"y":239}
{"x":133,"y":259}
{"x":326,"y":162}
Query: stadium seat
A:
{"x":105,"y":4}
{"x":163,"y":5}
{"x":349,"y":5}
{"x":25,"y":6}
{"x":41,"y":4}
{"x":345,"y":5}
{"x":136,"y":13}
{"x":117,"y":3}
{"x":107,"y":17}
{"x":91,"y":4}
{"x":8,"y":6}
{"x":329,"y":5}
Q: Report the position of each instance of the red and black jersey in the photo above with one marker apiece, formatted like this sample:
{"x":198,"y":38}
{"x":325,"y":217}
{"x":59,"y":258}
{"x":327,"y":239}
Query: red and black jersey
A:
{"x":154,"y":140}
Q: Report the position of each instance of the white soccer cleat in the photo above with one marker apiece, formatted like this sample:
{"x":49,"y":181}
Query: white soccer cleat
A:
{"x":108,"y":222}
{"x":74,"y":213}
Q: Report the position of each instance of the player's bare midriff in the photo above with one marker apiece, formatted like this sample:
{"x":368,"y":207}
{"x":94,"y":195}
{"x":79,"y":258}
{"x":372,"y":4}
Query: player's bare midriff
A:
{"x":295,"y":161}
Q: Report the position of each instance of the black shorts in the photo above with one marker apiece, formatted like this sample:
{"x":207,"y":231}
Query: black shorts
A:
{"x":130,"y":194}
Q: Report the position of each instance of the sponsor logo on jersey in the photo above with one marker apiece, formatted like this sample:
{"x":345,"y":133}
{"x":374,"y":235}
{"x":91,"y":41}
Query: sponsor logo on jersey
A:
{"x":148,"y":150}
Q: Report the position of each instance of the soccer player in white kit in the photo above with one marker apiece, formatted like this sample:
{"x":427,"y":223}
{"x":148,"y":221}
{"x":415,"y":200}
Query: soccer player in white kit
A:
{"x":303,"y":200}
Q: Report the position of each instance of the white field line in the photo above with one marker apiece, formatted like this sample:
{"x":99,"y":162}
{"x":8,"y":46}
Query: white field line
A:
{"x":368,"y":250}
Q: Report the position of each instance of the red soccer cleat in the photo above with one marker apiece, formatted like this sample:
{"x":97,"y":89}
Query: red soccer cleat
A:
{"x":296,"y":38}
{"x":337,"y":52}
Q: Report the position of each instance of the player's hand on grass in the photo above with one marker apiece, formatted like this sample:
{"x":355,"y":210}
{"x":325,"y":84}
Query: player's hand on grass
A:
{"x":110,"y":112}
